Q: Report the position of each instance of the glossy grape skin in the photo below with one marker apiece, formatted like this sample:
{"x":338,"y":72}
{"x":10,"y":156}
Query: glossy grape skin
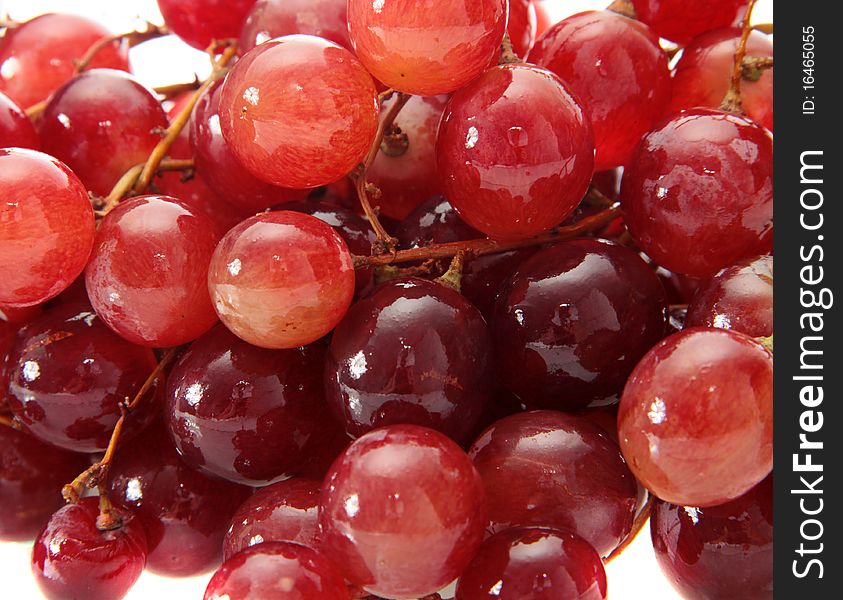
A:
{"x":147,"y":274}
{"x":484,"y":277}
{"x":16,"y":129}
{"x":270,"y":19}
{"x":514,"y":152}
{"x":414,"y":351}
{"x":67,"y":375}
{"x":521,"y":26}
{"x":704,"y":71}
{"x":46,"y":227}
{"x":217,"y":165}
{"x":283,"y":511}
{"x":277,"y":570}
{"x":719,"y":552}
{"x":304,"y":139}
{"x":695,"y":419}
{"x":403,"y":511}
{"x":426,"y":47}
{"x":32,"y":474}
{"x":246,"y":414}
{"x":617,"y":71}
{"x":552,"y":469}
{"x":572,"y":322}
{"x":281,"y":279}
{"x":534,"y":563}
{"x":698,"y":192}
{"x":200,"y":22}
{"x":73,"y":559}
{"x":739,"y":297}
{"x":183,"y":512}
{"x":407,"y":180}
{"x":36,"y":57}
{"x":679,"y":21}
{"x":434,"y":221}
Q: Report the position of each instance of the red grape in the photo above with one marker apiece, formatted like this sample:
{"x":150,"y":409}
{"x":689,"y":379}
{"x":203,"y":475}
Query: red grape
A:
{"x":101,"y":123}
{"x":552,"y":469}
{"x":307,"y":137}
{"x":414,"y":351}
{"x":426,"y":47}
{"x":73,"y":559}
{"x":617,"y":70}
{"x":739,"y":297}
{"x":36,"y":57}
{"x":543,"y":19}
{"x":696,"y":417}
{"x":183,"y":512}
{"x":407,"y":180}
{"x":514,"y":152}
{"x":270,"y":19}
{"x":246,"y":414}
{"x":199,"y":22}
{"x":217,"y":165}
{"x":32,"y":474}
{"x":277,"y":570}
{"x":147,"y":274}
{"x":283,"y":511}
{"x":281,"y":279}
{"x":723,"y":551}
{"x":521,"y":26}
{"x":68,"y":374}
{"x":19,"y":315}
{"x":698,"y":192}
{"x":16,"y":130}
{"x":434,"y":221}
{"x":573,"y":321}
{"x":46,"y":227}
{"x":534,"y":563}
{"x":484,"y":277}
{"x":680,"y":20}
{"x":704,"y":71}
{"x":403,"y":511}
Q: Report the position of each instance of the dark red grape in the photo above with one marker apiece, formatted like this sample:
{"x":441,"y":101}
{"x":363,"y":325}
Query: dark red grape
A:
{"x":147,"y":277}
{"x":723,"y":551}
{"x":32,"y":474}
{"x":200,"y":22}
{"x":101,"y":123}
{"x":434,"y":221}
{"x":414,"y":351}
{"x":16,"y":129}
{"x":36,"y":57}
{"x":698,"y":192}
{"x":46,"y":227}
{"x":514,"y":167}
{"x":247,"y":414}
{"x":534,"y":563}
{"x":277,"y":570}
{"x":267,"y":273}
{"x":284,"y":511}
{"x":680,"y":20}
{"x":403,"y":511}
{"x":485,"y":276}
{"x":739,"y":297}
{"x":617,"y":70}
{"x":68,"y":374}
{"x":426,"y":47}
{"x":183,"y":512}
{"x":704,"y":72}
{"x":572,"y":322}
{"x":551,"y":469}
{"x":410,"y":178}
{"x":304,"y":139}
{"x":73,"y":559}
{"x":696,"y":417}
{"x":270,"y":19}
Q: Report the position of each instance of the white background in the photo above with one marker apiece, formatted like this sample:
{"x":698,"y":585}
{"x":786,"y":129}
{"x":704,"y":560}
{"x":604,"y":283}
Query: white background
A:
{"x":633,"y":576}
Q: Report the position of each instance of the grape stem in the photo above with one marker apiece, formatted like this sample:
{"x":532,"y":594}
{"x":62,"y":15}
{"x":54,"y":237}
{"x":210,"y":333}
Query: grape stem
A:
{"x":9,"y":422}
{"x":174,"y":89}
{"x":765,"y":28}
{"x":767,"y":342}
{"x":508,"y":55}
{"x":623,"y":7}
{"x":489,"y":246}
{"x":107,"y":520}
{"x":732,"y":101}
{"x":385,"y":243}
{"x":125,"y":183}
{"x":637,"y":526}
{"x":132,"y":38}
{"x":94,"y":475}
{"x":452,"y":278}
{"x":753,"y":67}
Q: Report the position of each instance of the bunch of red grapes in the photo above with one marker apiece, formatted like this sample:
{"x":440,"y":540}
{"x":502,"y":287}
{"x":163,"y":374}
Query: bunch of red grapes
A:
{"x":237,"y":336}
